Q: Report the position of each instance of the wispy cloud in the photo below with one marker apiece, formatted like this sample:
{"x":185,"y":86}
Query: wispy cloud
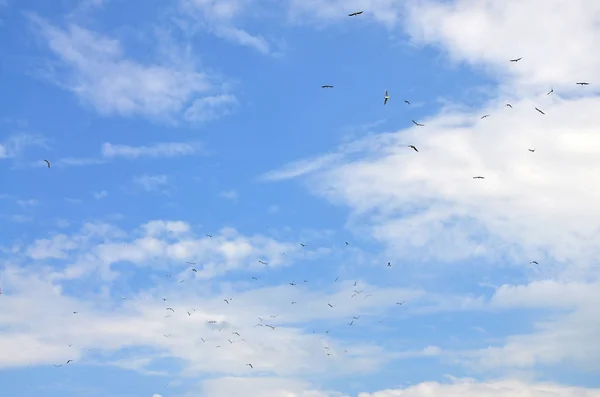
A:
{"x":210,"y":108}
{"x":98,"y":71}
{"x":16,"y":144}
{"x":150,"y":182}
{"x":169,"y":149}
{"x":229,"y":195}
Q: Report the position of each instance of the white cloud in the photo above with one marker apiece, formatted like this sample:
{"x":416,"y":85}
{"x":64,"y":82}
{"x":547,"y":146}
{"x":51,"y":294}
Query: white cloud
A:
{"x":259,"y":387}
{"x":150,"y":182}
{"x":229,"y":195}
{"x":14,"y":145}
{"x":501,"y":388}
{"x":100,"y":195}
{"x":220,"y":18}
{"x":210,"y":108}
{"x":98,"y":71}
{"x":28,"y":203}
{"x":170,"y":149}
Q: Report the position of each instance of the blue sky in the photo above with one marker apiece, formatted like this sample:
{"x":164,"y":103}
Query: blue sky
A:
{"x":194,"y":134}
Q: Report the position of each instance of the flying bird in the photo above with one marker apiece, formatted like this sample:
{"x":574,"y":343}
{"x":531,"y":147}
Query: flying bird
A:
{"x":69,"y":361}
{"x":351,"y":322}
{"x":330,"y":305}
{"x":171,"y":309}
{"x":254,"y":278}
{"x":226,"y":301}
{"x":417,"y":124}
{"x":407,"y":102}
{"x":209,"y":235}
{"x":389,"y":264}
{"x":478,"y":177}
{"x":347,"y":243}
{"x":551,"y":91}
{"x":57,"y":366}
{"x":336,"y":279}
{"x":516,"y":60}
{"x":249,"y":365}
{"x":386,"y":97}
{"x":47,"y":162}
{"x":270,"y":326}
{"x":508,"y":105}
{"x":355,"y":13}
{"x":303,"y":245}
{"x":531,"y":150}
{"x":400,"y":303}
{"x":413,"y":147}
{"x":484,"y":116}
{"x":583,"y":83}
{"x":292,"y":284}
{"x":195,"y":271}
{"x":326,"y":86}
{"x":534,"y":262}
{"x":540,"y":111}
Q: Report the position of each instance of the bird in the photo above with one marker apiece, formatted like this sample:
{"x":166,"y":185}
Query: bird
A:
{"x":484,"y":116}
{"x":249,"y":365}
{"x":540,"y":111}
{"x":508,"y":105}
{"x":389,"y":264}
{"x":189,"y":314}
{"x":293,"y":303}
{"x":191,"y":263}
{"x":516,"y":59}
{"x":534,"y":263}
{"x":336,"y":279}
{"x":551,"y":91}
{"x":407,"y":102}
{"x":236,"y":333}
{"x":478,"y":177}
{"x":356,"y":317}
{"x":195,"y":271}
{"x":263,"y":262}
{"x":292,"y":284}
{"x":47,"y":162}
{"x":386,"y":97}
{"x":270,"y":326}
{"x":355,"y":13}
{"x":347,"y":243}
{"x":226,"y":301}
{"x":326,"y":86}
{"x":69,"y":361}
{"x":413,"y":147}
{"x":166,"y":336}
{"x":171,"y":309}
{"x":583,"y":83}
{"x":351,"y":322}
{"x":400,"y":303}
{"x":57,"y":366}
{"x":330,"y":305}
{"x":531,"y":150}
{"x":303,"y":245}
{"x":417,"y":124}
{"x":254,"y":278}
{"x":209,"y":235}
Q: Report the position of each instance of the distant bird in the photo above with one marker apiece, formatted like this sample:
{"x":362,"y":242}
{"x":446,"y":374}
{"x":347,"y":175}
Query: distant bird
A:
{"x":355,"y":13}
{"x":195,"y":271}
{"x":417,"y":124}
{"x":336,"y":279}
{"x":389,"y":264}
{"x":226,"y":301}
{"x":249,"y":365}
{"x":539,"y":111}
{"x":351,"y":322}
{"x":75,"y":312}
{"x":254,"y":278}
{"x":57,"y":366}
{"x":508,"y":105}
{"x":531,"y":150}
{"x":189,"y":314}
{"x":166,"y":336}
{"x":293,"y":303}
{"x":347,"y":243}
{"x":330,"y":305}
{"x":263,"y":262}
{"x":236,"y":333}
{"x":303,"y":245}
{"x":516,"y":60}
{"x":270,"y":326}
{"x":356,"y":282}
{"x":484,"y":116}
{"x":413,"y":147}
{"x":292,"y":284}
{"x":551,"y":91}
{"x":47,"y":162}
{"x":400,"y":303}
{"x":191,"y":263}
{"x":386,"y":97}
{"x":407,"y":102}
{"x":583,"y":83}
{"x":534,"y":263}
{"x":171,"y":309}
{"x":356,"y":317}
{"x":478,"y":177}
{"x":69,"y":361}
{"x":326,"y":86}
{"x":164,"y":299}
{"x":209,"y":235}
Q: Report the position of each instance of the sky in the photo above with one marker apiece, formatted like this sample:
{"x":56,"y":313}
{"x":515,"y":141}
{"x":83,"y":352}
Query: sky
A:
{"x":214,"y":223}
